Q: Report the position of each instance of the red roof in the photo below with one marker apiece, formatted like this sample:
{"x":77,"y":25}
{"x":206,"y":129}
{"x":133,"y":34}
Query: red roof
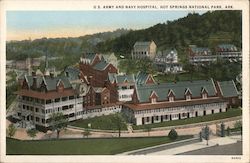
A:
{"x":147,"y":106}
{"x":46,"y":95}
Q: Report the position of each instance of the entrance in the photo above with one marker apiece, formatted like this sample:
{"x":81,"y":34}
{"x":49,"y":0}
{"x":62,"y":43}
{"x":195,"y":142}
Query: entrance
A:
{"x":179,"y":115}
{"x":170,"y":117}
{"x":204,"y":112}
{"x":212,"y":111}
{"x":143,"y":120}
{"x":196,"y":113}
{"x":220,"y":110}
{"x":162,"y":118}
{"x":188,"y":115}
{"x":152,"y":119}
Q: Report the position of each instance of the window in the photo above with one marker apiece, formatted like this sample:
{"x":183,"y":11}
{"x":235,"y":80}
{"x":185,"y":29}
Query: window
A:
{"x":37,"y":109}
{"x":57,"y":99}
{"x":64,"y":99}
{"x":188,"y":97}
{"x":48,"y":101}
{"x":171,"y":99}
{"x":204,"y":95}
{"x":43,"y":120}
{"x":65,"y":107}
{"x":153,"y":100}
{"x":71,"y":97}
{"x":71,"y":106}
{"x":37,"y":119}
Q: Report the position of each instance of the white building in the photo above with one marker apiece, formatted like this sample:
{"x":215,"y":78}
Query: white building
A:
{"x":171,"y":101}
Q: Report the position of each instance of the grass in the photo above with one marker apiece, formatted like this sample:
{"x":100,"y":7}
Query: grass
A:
{"x":105,"y":122}
{"x":211,"y":117}
{"x":103,"y":146}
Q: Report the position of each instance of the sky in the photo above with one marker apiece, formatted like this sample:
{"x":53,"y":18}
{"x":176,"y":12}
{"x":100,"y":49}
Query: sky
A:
{"x":51,"y":24}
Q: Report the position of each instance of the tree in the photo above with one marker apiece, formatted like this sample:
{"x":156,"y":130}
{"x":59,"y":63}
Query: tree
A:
{"x":86,"y":132}
{"x":147,"y":128}
{"x":119,"y":122}
{"x":228,"y":131}
{"x":58,"y":122}
{"x":32,"y":133}
{"x":206,"y":133}
{"x":173,"y":135}
{"x":11,"y":130}
{"x":238,"y":124}
{"x":222,"y":129}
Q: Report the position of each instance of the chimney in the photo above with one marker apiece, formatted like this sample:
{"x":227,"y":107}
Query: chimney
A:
{"x":51,"y":74}
{"x":34,"y":85}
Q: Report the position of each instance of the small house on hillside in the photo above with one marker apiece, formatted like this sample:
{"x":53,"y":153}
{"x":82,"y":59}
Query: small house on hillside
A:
{"x":145,"y":49}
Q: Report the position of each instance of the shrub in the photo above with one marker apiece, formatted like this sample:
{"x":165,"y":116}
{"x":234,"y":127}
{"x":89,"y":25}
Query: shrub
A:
{"x":173,"y":134}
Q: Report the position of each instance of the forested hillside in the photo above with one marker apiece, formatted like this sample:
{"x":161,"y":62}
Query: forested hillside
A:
{"x":58,"y":46}
{"x":208,"y":29}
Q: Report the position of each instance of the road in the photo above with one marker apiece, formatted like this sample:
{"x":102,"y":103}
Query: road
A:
{"x":230,"y":149}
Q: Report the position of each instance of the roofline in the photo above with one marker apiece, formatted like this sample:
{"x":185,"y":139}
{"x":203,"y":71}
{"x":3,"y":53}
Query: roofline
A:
{"x":220,"y":89}
{"x":94,"y":58}
{"x":187,"y":90}
{"x":235,"y":87}
{"x":214,"y":85}
{"x":151,"y":77}
{"x":154,"y":93}
{"x":170,"y":92}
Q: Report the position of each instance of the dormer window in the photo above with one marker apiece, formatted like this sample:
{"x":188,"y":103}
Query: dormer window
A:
{"x":153,"y":100}
{"x":188,"y":97}
{"x":153,"y":97}
{"x":171,"y":99}
{"x":188,"y":94}
{"x":171,"y":95}
{"x":204,"y":93}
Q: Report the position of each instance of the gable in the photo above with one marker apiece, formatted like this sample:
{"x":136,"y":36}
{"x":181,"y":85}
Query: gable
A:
{"x":154,"y":95}
{"x":150,"y":80}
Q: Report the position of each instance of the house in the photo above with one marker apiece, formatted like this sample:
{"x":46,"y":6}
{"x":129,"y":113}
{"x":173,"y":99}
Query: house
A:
{"x":142,"y":50}
{"x":124,"y":84}
{"x":154,"y":103}
{"x":228,"y":51}
{"x":40,"y":96}
{"x":167,"y":61}
{"x":93,"y":66}
{"x":111,"y":58}
{"x":199,"y":55}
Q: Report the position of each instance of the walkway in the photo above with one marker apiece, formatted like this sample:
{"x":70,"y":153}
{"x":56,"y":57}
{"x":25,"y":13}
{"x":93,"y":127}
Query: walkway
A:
{"x":200,"y":145}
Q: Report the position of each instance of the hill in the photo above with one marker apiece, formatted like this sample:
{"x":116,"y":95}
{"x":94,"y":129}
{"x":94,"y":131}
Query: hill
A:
{"x":71,"y":46}
{"x":208,"y":29}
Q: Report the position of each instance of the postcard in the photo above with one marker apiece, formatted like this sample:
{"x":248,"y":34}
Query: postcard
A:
{"x":124,"y":81}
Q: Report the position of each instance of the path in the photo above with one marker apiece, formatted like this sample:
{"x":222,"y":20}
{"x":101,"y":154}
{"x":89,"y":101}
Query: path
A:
{"x":200,"y":145}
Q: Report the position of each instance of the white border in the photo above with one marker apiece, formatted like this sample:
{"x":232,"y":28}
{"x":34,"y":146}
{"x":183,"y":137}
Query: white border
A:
{"x":88,"y":5}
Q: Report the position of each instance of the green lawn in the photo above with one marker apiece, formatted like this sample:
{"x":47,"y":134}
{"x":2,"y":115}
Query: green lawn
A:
{"x":84,"y":146}
{"x":105,"y":122}
{"x":211,"y":117}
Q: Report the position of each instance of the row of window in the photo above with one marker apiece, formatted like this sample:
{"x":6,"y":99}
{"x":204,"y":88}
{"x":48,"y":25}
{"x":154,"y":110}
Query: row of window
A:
{"x":31,"y":108}
{"x":171,"y":98}
{"x":41,"y":101}
{"x":140,"y":52}
{"x":179,"y":108}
